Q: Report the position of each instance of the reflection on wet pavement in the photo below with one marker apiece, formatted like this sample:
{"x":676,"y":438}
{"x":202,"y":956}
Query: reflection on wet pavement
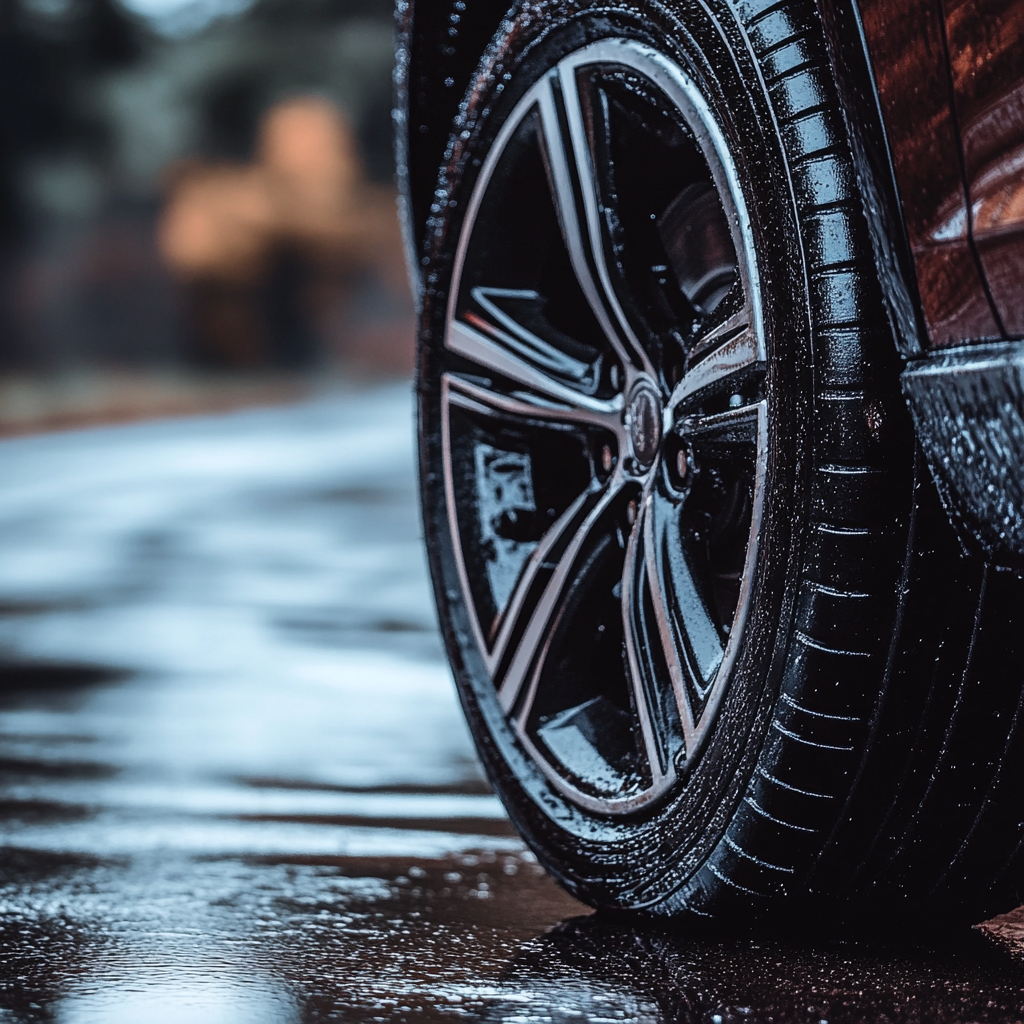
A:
{"x":236,"y":785}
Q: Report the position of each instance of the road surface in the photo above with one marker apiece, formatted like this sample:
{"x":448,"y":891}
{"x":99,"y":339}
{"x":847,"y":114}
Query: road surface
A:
{"x":236,"y":786}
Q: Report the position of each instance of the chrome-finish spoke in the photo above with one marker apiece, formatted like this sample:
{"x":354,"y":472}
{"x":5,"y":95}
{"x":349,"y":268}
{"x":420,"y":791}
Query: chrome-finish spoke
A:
{"x":717,"y":332}
{"x":556,"y":554}
{"x":690,"y":639}
{"x":637,"y":582}
{"x":467,"y":394}
{"x":734,"y":352}
{"x":489,"y":353}
{"x":710,"y":656}
{"x":575,"y":192}
{"x":740,"y":425}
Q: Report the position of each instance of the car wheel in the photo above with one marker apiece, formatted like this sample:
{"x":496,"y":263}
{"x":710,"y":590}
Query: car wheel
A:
{"x":666,"y":474}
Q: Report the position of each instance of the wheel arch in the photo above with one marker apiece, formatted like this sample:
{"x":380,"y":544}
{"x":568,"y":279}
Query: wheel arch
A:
{"x":436,"y":43}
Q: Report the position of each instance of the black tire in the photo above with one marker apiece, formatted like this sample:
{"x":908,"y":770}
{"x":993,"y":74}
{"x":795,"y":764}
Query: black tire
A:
{"x":710,"y":796}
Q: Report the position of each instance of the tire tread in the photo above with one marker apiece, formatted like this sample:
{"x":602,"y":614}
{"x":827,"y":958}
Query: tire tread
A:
{"x":837,"y":657}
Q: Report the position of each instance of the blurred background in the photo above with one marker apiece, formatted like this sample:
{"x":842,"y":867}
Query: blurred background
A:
{"x":197,"y":207}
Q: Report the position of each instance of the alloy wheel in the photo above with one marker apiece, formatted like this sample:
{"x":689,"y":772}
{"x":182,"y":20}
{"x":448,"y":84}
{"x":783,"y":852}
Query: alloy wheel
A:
{"x":605,"y":423}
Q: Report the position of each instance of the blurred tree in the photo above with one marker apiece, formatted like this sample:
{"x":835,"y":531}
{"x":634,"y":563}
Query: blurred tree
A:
{"x":50,"y":51}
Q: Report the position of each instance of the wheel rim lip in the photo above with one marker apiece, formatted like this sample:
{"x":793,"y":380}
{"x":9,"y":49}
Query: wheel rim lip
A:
{"x":684,"y":93}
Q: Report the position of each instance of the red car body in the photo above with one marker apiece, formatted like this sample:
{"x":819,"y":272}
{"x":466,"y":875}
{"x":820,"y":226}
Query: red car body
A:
{"x":950,"y":80}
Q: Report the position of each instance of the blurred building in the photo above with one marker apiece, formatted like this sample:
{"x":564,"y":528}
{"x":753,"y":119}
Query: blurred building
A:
{"x":272,"y":254}
{"x":198,"y":183}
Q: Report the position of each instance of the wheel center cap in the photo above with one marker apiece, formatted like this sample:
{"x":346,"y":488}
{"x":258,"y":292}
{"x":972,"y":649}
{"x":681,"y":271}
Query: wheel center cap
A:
{"x":643,"y":425}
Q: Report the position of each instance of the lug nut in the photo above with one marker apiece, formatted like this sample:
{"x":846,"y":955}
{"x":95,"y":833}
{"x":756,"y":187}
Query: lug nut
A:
{"x":735,"y":401}
{"x":607,"y":458}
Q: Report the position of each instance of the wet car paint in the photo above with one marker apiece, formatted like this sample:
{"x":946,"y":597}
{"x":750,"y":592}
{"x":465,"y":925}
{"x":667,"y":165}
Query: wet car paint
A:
{"x":987,"y":77}
{"x":908,"y":52}
{"x":236,"y":785}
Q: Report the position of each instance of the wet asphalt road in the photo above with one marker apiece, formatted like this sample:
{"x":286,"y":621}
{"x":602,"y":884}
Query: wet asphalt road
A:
{"x":236,"y":786}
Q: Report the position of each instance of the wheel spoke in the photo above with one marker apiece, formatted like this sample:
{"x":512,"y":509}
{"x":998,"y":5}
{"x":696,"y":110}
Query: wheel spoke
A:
{"x":733,"y":352}
{"x":707,"y":661}
{"x":741,"y":425}
{"x":684,"y":622}
{"x":491,"y":352}
{"x":557,"y":553}
{"x":636,"y":578}
{"x":572,"y":408}
{"x":575,"y":192}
